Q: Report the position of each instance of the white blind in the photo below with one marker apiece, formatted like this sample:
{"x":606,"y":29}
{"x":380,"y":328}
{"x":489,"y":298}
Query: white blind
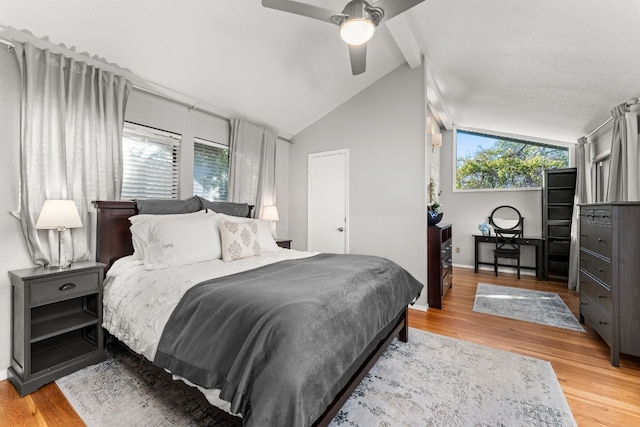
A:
{"x":151,"y":163}
{"x":210,"y":170}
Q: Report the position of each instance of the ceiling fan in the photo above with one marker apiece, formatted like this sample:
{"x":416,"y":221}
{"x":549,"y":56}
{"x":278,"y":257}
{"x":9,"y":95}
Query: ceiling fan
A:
{"x":357,"y":21}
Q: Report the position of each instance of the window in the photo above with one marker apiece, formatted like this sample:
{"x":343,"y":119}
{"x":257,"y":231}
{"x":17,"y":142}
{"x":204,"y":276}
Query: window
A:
{"x":485,"y":161}
{"x":210,"y":170}
{"x":151,"y":163}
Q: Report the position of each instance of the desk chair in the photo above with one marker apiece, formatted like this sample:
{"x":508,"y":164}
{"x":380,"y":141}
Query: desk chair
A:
{"x":509,"y":226}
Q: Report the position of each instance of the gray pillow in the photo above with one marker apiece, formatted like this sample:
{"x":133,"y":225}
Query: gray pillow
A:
{"x":227,"y":208}
{"x":168,"y":206}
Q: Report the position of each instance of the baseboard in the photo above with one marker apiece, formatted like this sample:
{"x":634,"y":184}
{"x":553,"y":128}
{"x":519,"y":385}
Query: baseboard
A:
{"x":419,"y":307}
{"x":500,"y":270}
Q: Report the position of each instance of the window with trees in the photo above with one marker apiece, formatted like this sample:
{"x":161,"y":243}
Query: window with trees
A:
{"x":485,"y":161}
{"x":210,"y":170}
{"x":151,"y":163}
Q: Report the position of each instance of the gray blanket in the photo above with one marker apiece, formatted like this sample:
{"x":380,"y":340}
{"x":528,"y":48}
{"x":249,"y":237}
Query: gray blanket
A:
{"x":282,"y":340}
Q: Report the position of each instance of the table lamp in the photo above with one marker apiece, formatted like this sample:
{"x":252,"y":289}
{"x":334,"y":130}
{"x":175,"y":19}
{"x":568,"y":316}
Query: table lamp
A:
{"x":59,"y":215}
{"x":270,"y":213}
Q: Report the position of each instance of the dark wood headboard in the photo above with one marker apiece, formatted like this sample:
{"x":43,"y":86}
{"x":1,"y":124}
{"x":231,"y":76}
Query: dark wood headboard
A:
{"x":113,"y":237}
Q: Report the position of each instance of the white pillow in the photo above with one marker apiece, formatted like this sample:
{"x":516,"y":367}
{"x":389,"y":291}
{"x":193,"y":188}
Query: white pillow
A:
{"x":239,"y":239}
{"x":267,"y":242}
{"x":141,"y":224}
{"x":182,"y":241}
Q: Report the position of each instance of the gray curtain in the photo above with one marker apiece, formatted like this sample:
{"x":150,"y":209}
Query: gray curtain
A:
{"x":624,"y":177}
{"x":252,"y":169}
{"x":583,"y":181}
{"x":71,"y":139}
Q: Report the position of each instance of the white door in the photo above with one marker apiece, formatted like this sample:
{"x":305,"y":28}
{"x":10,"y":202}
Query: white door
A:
{"x":328,"y":202}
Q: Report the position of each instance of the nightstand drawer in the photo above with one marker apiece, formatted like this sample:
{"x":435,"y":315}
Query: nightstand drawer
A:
{"x":51,"y":289}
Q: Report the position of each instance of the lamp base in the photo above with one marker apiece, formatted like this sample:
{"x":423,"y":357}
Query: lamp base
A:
{"x":58,"y":266}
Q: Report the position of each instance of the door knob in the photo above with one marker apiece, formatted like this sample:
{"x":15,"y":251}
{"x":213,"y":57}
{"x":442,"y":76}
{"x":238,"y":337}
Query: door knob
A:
{"x":340,"y":229}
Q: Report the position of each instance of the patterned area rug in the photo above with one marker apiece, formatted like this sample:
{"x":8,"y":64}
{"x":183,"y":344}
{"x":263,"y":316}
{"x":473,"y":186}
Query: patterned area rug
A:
{"x":431,"y":381}
{"x":545,"y":308}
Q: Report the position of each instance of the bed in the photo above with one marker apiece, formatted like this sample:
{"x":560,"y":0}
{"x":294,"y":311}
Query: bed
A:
{"x":283,"y":368}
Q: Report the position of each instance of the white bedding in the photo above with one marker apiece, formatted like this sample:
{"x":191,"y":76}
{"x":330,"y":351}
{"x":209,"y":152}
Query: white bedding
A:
{"x":137,"y":303}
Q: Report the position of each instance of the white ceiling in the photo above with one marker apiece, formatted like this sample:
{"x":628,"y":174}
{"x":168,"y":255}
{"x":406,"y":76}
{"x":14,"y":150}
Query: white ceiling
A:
{"x":548,"y":69}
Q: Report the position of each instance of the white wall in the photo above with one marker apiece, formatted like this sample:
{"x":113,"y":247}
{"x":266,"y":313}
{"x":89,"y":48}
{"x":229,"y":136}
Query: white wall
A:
{"x":384,"y":129}
{"x":13,"y":250}
{"x":465,"y":210}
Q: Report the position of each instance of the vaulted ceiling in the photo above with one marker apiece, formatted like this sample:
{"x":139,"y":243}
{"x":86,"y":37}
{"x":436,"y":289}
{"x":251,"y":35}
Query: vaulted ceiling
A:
{"x":548,"y":69}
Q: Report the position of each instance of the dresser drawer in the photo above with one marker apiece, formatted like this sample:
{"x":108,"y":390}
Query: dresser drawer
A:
{"x":59,"y":288}
{"x":600,"y":215}
{"x":596,"y":237}
{"x":600,"y":294}
{"x":597,"y":318}
{"x":595,"y":266}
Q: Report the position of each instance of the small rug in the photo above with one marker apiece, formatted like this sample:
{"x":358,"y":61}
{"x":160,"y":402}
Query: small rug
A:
{"x":432,"y":380}
{"x":545,"y":308}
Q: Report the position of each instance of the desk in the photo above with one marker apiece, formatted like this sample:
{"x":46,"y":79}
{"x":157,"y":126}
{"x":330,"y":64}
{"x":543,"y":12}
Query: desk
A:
{"x":538,"y":242}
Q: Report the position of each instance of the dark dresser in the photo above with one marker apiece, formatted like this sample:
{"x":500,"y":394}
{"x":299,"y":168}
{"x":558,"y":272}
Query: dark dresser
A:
{"x":610,"y":274}
{"x":439,"y":263}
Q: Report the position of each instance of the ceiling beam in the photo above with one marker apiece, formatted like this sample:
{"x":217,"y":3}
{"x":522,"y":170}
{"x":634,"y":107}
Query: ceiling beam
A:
{"x":436,"y":100}
{"x":402,"y":35}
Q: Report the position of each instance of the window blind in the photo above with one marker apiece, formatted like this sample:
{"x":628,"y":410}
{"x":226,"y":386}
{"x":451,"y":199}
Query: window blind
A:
{"x":210,"y":169}
{"x":151,"y":163}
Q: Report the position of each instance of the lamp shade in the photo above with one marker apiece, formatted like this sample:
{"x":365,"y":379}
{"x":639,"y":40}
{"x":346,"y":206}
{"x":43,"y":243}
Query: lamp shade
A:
{"x":59,"y":215}
{"x":270,"y":213}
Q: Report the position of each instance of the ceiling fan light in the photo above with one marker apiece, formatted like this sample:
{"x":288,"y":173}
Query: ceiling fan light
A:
{"x":357,"y":31}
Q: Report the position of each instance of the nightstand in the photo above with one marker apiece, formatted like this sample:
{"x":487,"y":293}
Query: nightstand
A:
{"x":57,"y":323}
{"x":284,"y":243}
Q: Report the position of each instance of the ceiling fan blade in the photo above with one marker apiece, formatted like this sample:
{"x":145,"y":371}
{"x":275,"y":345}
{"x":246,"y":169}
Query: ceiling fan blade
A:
{"x":358,"y":56}
{"x":303,"y":9}
{"x":394,"y":7}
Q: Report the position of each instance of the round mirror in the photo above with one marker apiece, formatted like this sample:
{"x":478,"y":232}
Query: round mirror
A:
{"x":505,"y":217}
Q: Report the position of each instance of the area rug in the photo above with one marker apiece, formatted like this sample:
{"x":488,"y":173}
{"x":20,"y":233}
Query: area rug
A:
{"x":432,"y":380}
{"x":545,"y":308}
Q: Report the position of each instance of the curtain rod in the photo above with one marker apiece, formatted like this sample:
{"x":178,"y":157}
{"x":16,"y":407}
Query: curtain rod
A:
{"x":170,"y":98}
{"x":632,"y":101}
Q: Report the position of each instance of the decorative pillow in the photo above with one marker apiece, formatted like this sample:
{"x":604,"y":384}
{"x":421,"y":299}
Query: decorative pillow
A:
{"x":239,"y":239}
{"x":141,"y":224}
{"x":227,"y":208}
{"x":182,"y":241}
{"x":168,"y":206}
{"x":265,"y":236}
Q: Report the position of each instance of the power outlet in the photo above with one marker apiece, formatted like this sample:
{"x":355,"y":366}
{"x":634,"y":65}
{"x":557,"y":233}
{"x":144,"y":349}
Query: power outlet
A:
{"x":457,"y":250}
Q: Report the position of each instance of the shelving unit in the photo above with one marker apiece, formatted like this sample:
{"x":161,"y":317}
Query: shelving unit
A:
{"x":439,"y":262}
{"x":557,"y":211}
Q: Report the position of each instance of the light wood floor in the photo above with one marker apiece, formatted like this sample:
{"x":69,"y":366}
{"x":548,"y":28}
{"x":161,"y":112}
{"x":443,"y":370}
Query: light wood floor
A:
{"x":598,"y":394}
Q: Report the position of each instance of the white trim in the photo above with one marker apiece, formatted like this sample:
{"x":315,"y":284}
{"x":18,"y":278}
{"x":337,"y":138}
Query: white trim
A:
{"x":202,"y":141}
{"x":419,"y":307}
{"x":514,"y":136}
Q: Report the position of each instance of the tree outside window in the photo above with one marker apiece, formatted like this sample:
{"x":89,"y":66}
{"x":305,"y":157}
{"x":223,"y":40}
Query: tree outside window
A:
{"x":485,"y":161}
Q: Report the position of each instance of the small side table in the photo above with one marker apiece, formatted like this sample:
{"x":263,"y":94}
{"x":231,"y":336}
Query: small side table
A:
{"x":57,"y":323}
{"x":284,"y":243}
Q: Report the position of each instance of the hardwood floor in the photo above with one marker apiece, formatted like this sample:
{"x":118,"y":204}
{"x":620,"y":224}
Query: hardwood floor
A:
{"x":598,"y":394}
